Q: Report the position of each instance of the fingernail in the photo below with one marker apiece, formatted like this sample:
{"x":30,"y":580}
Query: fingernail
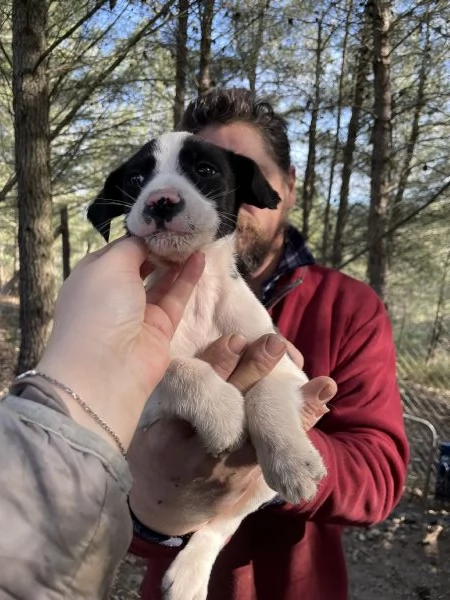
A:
{"x":237,"y":343}
{"x":326,"y":393}
{"x":274,"y":346}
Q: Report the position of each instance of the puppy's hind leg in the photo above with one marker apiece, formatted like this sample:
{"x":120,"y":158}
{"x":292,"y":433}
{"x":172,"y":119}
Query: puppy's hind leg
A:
{"x":188,"y":576}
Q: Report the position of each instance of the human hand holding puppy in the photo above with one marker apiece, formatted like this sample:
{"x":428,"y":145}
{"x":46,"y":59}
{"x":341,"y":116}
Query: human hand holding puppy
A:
{"x":110,"y":339}
{"x":177,"y":486}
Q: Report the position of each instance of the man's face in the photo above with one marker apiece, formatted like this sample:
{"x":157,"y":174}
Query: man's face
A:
{"x":258,"y":229}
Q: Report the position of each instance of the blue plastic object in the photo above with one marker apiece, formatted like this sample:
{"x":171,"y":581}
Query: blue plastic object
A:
{"x":443,"y":472}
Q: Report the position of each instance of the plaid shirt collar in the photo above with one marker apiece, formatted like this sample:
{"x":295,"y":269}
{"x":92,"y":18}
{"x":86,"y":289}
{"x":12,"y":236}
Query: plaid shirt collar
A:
{"x":295,"y":254}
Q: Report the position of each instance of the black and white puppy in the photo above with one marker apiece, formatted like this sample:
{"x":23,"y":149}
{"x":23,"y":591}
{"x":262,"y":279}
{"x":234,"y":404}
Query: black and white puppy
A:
{"x":182,"y":194}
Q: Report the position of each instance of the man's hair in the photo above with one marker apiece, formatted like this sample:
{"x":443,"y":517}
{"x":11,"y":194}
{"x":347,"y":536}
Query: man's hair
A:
{"x":223,"y":106}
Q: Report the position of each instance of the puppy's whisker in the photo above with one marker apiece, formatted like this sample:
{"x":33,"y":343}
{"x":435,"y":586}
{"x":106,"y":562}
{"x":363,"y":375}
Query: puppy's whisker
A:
{"x":220,"y":194}
{"x":230,"y":244}
{"x":230,"y":218}
{"x":101,"y":226}
{"x":228,"y":221}
{"x":229,"y":214}
{"x":125,"y":193}
{"x":107,"y":202}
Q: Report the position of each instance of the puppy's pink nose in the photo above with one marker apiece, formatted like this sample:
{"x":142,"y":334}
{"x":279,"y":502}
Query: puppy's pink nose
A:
{"x":168,"y":195}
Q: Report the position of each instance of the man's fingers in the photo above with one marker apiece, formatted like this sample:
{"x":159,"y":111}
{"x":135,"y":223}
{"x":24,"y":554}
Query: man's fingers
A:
{"x":258,"y":361}
{"x":174,"y":301}
{"x":322,"y":389}
{"x":224,"y":354}
{"x":316,"y":394}
{"x":295,"y":354}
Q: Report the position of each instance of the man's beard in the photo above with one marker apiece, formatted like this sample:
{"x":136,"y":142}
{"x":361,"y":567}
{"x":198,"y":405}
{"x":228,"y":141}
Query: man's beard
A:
{"x":253,"y":245}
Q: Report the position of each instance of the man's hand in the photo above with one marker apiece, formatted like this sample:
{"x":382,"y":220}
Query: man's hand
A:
{"x":177,"y":486}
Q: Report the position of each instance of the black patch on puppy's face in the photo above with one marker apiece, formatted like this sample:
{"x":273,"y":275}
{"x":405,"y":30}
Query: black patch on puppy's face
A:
{"x":190,"y":166}
{"x":227,"y":179}
{"x":122,"y":188}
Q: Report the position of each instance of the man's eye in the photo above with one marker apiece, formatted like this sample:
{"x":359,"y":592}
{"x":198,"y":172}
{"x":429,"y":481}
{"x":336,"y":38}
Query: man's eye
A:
{"x":136,"y":180}
{"x":206,"y":170}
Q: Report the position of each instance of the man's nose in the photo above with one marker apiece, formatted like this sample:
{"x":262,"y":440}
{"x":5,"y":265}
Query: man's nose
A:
{"x":162,"y":205}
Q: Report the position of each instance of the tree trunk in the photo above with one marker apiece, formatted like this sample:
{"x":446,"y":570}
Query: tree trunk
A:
{"x":181,"y":62}
{"x":413,"y":136}
{"x":439,"y":316}
{"x":326,"y":236}
{"x":258,"y":41}
{"x":362,"y":64}
{"x":381,"y":151}
{"x":65,"y":241}
{"x":2,"y":262}
{"x":32,"y":157}
{"x":204,"y":76}
{"x":309,"y":182}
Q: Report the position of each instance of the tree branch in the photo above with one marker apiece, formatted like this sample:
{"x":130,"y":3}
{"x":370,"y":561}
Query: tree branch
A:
{"x":120,"y":57}
{"x":5,"y":54}
{"x":8,"y":187}
{"x":97,"y":6}
{"x":75,"y":64}
{"x":400,"y":223}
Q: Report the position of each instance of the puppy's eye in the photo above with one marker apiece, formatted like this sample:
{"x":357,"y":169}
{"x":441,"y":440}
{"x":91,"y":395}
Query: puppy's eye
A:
{"x":206,"y":170}
{"x":136,"y":180}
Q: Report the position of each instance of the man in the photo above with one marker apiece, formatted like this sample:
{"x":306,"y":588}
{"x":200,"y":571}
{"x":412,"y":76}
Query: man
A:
{"x":342,"y":329}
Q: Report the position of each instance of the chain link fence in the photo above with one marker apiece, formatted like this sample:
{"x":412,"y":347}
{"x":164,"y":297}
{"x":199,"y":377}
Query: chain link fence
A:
{"x":420,"y":311}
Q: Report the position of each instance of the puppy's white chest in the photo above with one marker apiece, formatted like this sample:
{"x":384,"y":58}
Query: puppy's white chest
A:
{"x":204,"y":319}
{"x":200,"y":324}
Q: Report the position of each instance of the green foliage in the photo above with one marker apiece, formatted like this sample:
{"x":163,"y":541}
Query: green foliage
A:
{"x":107,"y":98}
{"x":112,"y":87}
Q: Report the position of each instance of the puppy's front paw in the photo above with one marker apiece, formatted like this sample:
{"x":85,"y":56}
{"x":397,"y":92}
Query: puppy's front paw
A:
{"x":194,"y":392}
{"x":223,"y":429}
{"x":294,"y":471}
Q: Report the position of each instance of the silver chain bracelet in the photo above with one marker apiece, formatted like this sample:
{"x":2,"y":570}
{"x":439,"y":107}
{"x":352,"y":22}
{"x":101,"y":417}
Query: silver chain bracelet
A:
{"x":81,"y":402}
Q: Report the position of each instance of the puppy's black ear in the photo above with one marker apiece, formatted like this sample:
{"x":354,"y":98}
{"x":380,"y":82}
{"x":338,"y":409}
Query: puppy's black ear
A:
{"x":252,"y":187}
{"x":109,"y":204}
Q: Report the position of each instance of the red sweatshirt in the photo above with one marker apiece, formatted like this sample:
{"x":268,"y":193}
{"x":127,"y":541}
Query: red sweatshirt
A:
{"x":295,"y":552}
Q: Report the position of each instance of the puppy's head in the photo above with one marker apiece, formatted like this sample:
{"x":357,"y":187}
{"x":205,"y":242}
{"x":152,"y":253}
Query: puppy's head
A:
{"x":180,"y":193}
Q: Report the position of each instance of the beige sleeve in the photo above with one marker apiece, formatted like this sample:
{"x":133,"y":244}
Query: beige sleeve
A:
{"x":64,"y":518}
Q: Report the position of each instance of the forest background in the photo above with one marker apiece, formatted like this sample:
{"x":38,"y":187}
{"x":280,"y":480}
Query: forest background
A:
{"x":364,"y":86}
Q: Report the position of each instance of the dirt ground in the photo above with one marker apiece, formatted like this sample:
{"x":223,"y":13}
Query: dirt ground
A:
{"x":407,"y":557}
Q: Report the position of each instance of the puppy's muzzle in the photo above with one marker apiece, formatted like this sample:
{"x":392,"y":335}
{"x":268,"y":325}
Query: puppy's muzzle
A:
{"x":162,"y":206}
